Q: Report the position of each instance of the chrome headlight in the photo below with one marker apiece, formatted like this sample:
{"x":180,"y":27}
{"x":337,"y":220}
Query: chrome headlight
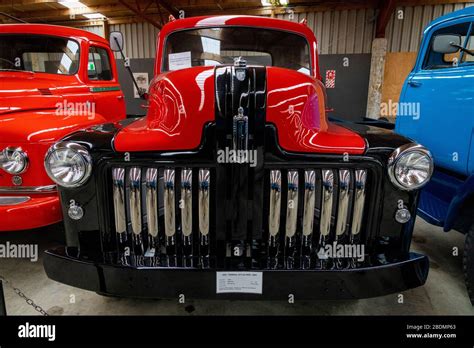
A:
{"x":410,"y":167}
{"x":68,"y":164}
{"x":13,"y":160}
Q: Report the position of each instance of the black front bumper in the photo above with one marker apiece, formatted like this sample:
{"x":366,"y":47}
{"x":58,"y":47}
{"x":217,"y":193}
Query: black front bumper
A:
{"x":201,"y":283}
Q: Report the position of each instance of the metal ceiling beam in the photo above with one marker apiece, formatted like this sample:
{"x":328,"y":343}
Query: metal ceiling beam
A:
{"x":171,"y":9}
{"x":55,"y":13}
{"x":386,"y":8}
{"x":141,"y":14}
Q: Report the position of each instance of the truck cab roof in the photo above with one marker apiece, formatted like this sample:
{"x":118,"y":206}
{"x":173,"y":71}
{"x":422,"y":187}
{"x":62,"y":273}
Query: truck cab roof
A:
{"x":53,"y":30}
{"x":468,"y":11}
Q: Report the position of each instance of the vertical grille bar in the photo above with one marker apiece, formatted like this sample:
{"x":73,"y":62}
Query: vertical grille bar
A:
{"x":152,"y":201}
{"x":326,"y":202}
{"x":292,"y":206}
{"x":275,"y":202}
{"x":308,"y":217}
{"x":170,"y":215}
{"x":203,"y":198}
{"x":118,"y":179}
{"x":358,"y":211}
{"x":169,"y":202}
{"x":359,"y":200}
{"x":291,"y":218}
{"x":151,"y":198}
{"x":187,"y":215}
{"x":118,"y":182}
{"x":187,"y":206}
{"x":274,"y":218}
{"x":309,"y":201}
{"x":343,"y":202}
{"x":135,"y":200}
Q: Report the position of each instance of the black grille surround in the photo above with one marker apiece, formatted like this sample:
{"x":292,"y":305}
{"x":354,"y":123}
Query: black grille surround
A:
{"x":239,"y":235}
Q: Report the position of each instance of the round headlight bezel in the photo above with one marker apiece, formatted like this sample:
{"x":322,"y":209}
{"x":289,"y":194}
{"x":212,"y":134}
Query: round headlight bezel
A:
{"x":7,"y":154}
{"x":80,"y":150}
{"x":400,"y":153}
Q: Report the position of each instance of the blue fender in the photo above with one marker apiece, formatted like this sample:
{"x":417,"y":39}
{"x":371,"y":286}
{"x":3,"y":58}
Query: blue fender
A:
{"x":463,"y":192}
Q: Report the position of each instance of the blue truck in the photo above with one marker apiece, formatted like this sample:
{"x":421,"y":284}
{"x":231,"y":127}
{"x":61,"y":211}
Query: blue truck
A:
{"x":441,"y":88}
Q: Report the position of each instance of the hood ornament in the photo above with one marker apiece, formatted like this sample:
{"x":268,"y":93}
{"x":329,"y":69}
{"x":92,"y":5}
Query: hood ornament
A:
{"x":240,"y":134}
{"x":240,"y":62}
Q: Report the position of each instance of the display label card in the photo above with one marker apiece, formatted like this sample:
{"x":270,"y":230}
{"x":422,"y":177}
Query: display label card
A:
{"x":239,"y":282}
{"x":180,"y":60}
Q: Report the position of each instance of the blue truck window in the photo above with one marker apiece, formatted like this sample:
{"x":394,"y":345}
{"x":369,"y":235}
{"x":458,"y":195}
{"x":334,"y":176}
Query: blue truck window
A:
{"x":437,"y":60}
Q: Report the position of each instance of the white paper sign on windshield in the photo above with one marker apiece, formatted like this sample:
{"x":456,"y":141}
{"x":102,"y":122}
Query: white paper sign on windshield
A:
{"x":177,"y":61}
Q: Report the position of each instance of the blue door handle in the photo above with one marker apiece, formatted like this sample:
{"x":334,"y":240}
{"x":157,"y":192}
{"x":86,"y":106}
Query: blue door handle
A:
{"x":414,"y":83}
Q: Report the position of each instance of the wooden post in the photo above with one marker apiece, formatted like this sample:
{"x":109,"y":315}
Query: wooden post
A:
{"x":377,"y":63}
{"x":105,"y":29}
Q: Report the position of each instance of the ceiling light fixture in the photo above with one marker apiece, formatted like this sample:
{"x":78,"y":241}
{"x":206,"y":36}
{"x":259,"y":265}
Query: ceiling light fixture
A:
{"x":72,"y":4}
{"x":275,"y":2}
{"x":94,"y":15}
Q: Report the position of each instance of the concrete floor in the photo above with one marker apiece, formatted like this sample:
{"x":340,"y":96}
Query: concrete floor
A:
{"x":443,"y":294}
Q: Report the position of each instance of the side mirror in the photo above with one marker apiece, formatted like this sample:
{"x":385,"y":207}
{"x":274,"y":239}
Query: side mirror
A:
{"x":116,"y":41}
{"x":446,"y":43}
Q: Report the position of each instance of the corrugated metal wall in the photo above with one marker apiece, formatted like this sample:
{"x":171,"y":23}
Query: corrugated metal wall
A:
{"x":96,"y":29}
{"x":338,"y":32}
{"x":404,"y":34}
{"x":345,"y":32}
{"x":140,"y":39}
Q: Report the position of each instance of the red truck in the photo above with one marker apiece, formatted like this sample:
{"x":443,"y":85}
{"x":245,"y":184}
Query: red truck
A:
{"x":53,"y":81}
{"x":236,"y":184}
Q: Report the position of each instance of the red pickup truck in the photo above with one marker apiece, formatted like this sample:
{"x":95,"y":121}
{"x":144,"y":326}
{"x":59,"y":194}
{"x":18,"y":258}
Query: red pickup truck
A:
{"x":236,"y":184}
{"x":53,"y":81}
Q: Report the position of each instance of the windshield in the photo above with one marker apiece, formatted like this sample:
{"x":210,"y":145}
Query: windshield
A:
{"x":44,"y":54}
{"x":216,"y":46}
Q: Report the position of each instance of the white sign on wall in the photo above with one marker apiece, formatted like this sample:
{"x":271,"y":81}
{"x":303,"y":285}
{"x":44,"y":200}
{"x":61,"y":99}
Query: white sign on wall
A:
{"x":142,"y":82}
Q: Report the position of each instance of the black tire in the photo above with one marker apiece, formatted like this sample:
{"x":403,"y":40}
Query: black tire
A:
{"x":468,"y":263}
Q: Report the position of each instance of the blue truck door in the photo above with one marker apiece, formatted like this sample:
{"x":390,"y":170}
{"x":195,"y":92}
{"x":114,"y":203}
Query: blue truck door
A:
{"x":440,"y":90}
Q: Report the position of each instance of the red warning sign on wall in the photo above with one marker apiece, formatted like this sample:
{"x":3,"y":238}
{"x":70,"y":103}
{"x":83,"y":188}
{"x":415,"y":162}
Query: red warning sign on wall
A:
{"x":330,"y":78}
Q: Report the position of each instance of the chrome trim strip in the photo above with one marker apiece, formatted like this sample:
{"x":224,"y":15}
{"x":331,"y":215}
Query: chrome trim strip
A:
{"x":359,"y":200}
{"x":187,"y":202}
{"x":326,"y":203}
{"x":309,"y":201}
{"x":13,"y":200}
{"x":204,"y":185}
{"x":169,"y":202}
{"x":118,"y":176}
{"x":151,"y":198}
{"x":135,"y":199}
{"x":275,"y":203}
{"x":292,"y":206}
{"x":343,"y":201}
{"x":29,"y":189}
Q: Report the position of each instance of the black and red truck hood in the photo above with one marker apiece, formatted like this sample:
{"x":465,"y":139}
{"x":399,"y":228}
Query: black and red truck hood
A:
{"x":184,"y":101}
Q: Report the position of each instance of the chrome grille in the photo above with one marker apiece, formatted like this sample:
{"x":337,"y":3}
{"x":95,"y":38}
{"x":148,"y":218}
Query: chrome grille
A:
{"x":163,"y":216}
{"x":333,"y":212}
